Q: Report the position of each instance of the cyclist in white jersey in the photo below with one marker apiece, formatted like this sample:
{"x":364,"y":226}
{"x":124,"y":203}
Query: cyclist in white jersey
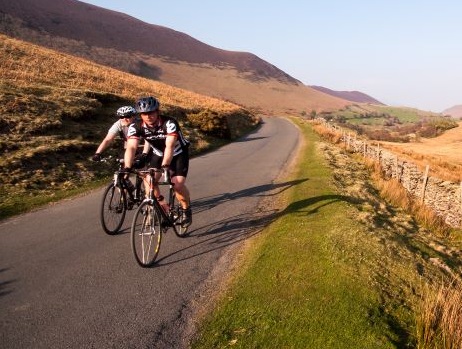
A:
{"x":126,"y":116}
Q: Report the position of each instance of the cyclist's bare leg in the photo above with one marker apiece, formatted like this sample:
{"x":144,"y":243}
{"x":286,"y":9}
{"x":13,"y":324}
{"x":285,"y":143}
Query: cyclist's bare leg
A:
{"x":181,"y":191}
{"x":146,"y":181}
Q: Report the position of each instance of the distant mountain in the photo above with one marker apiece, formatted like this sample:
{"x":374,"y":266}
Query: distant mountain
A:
{"x":123,"y":42}
{"x":455,"y":111}
{"x":352,"y":96}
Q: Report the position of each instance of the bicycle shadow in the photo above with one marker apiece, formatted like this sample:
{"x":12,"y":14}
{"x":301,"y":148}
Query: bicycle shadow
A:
{"x":222,"y":234}
{"x":261,"y":191}
{"x":6,"y":286}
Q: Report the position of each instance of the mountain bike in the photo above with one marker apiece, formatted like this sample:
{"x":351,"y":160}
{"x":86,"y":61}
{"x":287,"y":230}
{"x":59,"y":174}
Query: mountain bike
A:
{"x":152,"y":219}
{"x":119,"y":196}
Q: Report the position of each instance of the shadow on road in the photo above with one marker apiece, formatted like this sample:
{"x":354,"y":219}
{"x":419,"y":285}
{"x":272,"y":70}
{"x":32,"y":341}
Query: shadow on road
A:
{"x":5,"y":285}
{"x":222,"y":233}
{"x":262,"y":191}
{"x":249,"y":139}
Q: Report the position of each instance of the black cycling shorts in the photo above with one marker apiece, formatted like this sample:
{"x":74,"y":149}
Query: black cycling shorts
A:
{"x":179,"y":165}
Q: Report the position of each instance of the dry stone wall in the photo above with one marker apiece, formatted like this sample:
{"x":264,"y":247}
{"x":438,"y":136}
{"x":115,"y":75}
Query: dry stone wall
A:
{"x":443,"y":197}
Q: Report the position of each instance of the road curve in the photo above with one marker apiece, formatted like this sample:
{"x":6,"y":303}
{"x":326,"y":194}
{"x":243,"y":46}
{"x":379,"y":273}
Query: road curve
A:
{"x":66,"y":284}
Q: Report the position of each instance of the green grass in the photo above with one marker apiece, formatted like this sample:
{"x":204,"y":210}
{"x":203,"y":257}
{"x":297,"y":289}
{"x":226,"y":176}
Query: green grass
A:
{"x":377,"y":114}
{"x":306,"y":281}
{"x":14,"y":205}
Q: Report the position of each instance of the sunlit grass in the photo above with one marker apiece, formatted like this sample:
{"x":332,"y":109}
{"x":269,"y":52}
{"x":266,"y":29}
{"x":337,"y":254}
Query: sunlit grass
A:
{"x":301,"y":284}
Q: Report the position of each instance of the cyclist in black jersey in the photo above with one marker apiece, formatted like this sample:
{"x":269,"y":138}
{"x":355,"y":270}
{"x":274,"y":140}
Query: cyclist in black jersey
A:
{"x":168,"y":147}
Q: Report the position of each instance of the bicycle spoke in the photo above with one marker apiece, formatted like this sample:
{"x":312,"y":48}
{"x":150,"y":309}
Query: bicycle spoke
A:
{"x":146,"y":234}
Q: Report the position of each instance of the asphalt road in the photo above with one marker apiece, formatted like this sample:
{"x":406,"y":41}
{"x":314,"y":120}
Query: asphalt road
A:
{"x":64,"y":283}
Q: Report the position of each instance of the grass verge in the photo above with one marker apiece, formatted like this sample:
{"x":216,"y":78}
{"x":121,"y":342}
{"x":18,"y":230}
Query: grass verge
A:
{"x":313,"y":278}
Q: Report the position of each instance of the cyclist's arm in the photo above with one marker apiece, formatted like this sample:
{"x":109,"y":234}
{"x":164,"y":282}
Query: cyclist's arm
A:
{"x":146,"y":147}
{"x":169,"y":147}
{"x":129,"y":156}
{"x":105,"y":143}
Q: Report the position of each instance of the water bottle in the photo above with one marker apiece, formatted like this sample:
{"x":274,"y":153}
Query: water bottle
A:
{"x":165,"y":175}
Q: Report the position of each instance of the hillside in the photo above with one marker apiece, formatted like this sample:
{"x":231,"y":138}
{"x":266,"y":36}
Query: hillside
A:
{"x":455,"y":111}
{"x":159,"y":53}
{"x":352,"y":96}
{"x":56,"y":108}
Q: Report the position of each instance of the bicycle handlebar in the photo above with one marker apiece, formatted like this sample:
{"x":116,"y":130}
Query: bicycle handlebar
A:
{"x":166,"y":178}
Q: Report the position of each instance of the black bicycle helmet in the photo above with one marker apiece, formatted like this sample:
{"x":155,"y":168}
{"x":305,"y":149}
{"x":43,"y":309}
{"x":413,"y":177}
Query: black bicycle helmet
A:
{"x":146,"y":105}
{"x":126,"y":112}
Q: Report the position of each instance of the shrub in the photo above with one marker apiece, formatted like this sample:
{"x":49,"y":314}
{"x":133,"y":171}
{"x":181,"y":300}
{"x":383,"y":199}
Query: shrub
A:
{"x":210,"y":123}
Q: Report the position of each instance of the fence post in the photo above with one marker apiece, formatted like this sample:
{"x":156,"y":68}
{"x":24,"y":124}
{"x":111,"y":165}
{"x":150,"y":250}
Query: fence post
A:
{"x":364,"y":148}
{"x":424,"y":184}
{"x":378,"y":152}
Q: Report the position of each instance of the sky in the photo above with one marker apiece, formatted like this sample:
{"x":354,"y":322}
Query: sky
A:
{"x":401,"y":52}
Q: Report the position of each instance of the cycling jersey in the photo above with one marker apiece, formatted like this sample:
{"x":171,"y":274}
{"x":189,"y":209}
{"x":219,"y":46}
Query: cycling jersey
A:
{"x":118,"y":129}
{"x":155,"y":136}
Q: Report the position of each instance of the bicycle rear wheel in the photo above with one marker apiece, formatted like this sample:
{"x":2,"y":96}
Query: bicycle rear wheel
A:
{"x":146,"y":234}
{"x":113,"y":209}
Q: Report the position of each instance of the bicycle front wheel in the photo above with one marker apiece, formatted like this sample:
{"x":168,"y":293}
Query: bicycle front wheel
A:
{"x":113,"y":209}
{"x":146,"y":234}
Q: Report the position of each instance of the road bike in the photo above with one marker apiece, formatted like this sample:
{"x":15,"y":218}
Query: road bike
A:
{"x":119,"y":197}
{"x":153,"y":218}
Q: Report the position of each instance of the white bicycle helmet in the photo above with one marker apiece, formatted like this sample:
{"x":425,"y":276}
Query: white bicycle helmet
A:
{"x":126,"y":112}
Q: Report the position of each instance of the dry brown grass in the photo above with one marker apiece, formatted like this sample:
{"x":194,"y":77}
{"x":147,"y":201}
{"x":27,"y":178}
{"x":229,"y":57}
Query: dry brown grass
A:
{"x":48,"y":67}
{"x":442,"y":153}
{"x":439,"y":318}
{"x":333,"y":137}
{"x":396,"y":194}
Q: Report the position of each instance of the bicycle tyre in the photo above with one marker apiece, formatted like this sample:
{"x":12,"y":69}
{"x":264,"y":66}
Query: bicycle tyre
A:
{"x":146,"y":234}
{"x":113,"y":209}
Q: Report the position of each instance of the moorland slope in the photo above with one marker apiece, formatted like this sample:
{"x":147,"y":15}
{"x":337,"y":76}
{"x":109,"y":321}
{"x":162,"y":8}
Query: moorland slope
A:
{"x":125,"y":43}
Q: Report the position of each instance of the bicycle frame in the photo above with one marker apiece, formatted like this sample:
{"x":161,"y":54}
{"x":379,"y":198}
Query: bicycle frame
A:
{"x":119,"y":181}
{"x":167,"y":181}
